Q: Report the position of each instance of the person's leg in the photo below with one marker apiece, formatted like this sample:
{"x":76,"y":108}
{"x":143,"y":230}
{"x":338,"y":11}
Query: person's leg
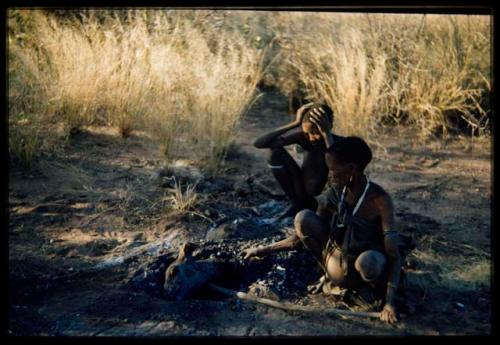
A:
{"x":313,"y":232}
{"x":334,"y":269}
{"x":289,"y":176}
{"x":334,"y":280}
{"x":370,"y":264}
{"x":315,"y":175}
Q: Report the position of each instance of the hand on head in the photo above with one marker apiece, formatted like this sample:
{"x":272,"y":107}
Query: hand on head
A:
{"x":302,"y":111}
{"x":317,"y":122}
{"x":319,"y":117}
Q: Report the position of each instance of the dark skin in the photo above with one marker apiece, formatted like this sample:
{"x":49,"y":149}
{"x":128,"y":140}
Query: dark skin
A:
{"x":300,"y":183}
{"x":377,"y":205}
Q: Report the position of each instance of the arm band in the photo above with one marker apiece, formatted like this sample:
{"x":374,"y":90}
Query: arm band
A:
{"x":275,"y":166}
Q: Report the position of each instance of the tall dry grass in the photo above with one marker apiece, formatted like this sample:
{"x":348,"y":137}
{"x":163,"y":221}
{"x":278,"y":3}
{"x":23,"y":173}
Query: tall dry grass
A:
{"x":186,"y":76}
{"x":169,"y":73}
{"x":431,"y":72}
{"x":341,"y":74}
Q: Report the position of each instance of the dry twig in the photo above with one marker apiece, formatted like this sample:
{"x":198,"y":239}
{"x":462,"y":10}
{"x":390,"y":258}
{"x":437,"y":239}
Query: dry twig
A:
{"x":293,"y":307}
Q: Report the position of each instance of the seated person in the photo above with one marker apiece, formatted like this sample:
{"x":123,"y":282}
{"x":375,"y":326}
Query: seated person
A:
{"x":352,"y":233}
{"x":311,"y":129}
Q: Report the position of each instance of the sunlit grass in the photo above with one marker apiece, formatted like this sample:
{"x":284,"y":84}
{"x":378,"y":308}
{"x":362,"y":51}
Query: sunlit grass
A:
{"x":182,"y":82}
{"x":374,"y":70}
{"x":187,"y":76}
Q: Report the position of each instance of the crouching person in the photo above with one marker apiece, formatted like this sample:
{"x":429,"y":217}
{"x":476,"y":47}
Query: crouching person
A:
{"x":352,"y":233}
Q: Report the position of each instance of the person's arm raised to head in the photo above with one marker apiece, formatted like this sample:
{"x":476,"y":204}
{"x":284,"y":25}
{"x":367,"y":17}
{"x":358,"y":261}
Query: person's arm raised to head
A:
{"x":319,"y":118}
{"x":266,"y":140}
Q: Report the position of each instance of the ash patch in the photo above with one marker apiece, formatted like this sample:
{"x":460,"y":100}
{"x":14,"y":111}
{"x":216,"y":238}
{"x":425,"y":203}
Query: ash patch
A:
{"x":150,"y":276}
{"x":285,"y":274}
{"x":250,"y":224}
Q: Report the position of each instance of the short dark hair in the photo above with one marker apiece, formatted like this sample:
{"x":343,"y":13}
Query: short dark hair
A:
{"x":328,"y":111}
{"x":352,"y":150}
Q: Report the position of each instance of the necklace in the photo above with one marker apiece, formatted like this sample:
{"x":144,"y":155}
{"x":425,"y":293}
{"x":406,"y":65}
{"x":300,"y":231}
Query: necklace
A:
{"x":358,"y":204}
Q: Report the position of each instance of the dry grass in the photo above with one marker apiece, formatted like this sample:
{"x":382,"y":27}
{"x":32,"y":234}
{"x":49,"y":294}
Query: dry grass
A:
{"x":341,"y":74}
{"x":182,"y":81}
{"x":450,"y":269}
{"x":183,"y":199}
{"x":187,"y":76}
{"x":470,"y":277}
{"x":374,"y":70}
{"x":23,"y":142}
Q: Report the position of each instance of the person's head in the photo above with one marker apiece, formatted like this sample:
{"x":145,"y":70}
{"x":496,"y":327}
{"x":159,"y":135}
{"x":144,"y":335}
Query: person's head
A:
{"x":310,"y":129}
{"x":348,"y":158}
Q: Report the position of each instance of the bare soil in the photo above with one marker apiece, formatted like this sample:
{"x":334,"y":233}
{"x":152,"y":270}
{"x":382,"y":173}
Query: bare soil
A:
{"x":87,"y":218}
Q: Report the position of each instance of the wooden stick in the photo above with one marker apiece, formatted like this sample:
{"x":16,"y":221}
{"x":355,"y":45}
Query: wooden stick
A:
{"x":293,"y":307}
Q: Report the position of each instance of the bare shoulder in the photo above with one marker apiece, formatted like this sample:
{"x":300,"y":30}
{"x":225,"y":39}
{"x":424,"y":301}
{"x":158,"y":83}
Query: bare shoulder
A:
{"x":383,"y":205}
{"x":377,"y":190}
{"x":380,"y":195}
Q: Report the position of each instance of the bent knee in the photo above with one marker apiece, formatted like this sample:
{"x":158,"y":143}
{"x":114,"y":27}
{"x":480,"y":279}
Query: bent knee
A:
{"x":370,"y":264}
{"x":275,"y":155}
{"x":314,"y":188}
{"x":303,"y":221}
{"x":335,"y":271}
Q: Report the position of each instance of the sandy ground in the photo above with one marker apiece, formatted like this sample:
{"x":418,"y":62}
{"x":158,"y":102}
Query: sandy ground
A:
{"x":86,"y":217}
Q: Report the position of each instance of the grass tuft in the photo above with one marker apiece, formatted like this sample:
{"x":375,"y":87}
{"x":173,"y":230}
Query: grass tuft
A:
{"x":183,"y":199}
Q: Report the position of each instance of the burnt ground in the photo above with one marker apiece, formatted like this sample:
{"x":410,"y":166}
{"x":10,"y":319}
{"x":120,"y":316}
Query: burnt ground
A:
{"x":91,"y":232}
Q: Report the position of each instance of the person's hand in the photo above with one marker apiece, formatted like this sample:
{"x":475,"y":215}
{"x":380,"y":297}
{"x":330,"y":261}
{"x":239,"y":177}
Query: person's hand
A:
{"x":251,"y":252}
{"x":388,"y":314}
{"x":319,"y":118}
{"x":302,"y":111}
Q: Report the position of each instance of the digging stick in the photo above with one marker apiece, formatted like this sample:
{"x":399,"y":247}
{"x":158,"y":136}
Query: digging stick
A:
{"x":293,"y":307}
